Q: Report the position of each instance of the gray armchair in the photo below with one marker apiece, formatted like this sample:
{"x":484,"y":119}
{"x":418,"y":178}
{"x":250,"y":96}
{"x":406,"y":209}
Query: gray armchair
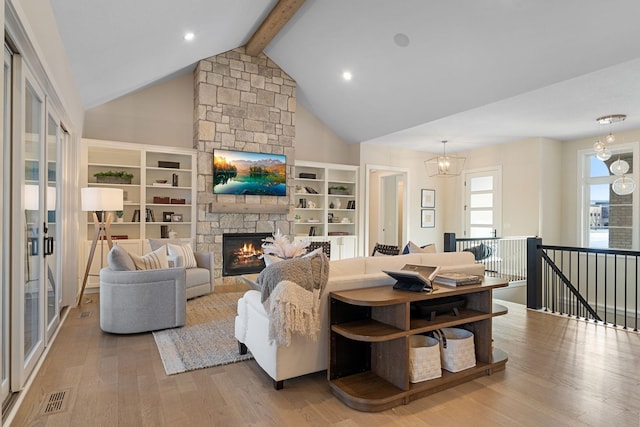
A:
{"x":142,"y":300}
{"x":199,"y":280}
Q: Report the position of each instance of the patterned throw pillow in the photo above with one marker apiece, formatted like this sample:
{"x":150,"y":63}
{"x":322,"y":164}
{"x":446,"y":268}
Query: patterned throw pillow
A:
{"x":412,"y":248}
{"x":185,"y":252}
{"x":152,"y":261}
{"x":480,"y":252}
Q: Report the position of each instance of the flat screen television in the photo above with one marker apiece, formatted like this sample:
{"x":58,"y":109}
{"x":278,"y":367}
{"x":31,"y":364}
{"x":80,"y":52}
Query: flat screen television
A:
{"x":248,"y":173}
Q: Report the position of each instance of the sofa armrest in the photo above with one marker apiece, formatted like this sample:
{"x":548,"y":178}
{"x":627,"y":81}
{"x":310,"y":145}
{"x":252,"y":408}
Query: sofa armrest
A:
{"x":205,"y":260}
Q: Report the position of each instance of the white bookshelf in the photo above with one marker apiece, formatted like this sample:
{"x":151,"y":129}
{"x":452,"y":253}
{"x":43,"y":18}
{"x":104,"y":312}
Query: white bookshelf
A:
{"x":326,"y":200}
{"x":142,"y":161}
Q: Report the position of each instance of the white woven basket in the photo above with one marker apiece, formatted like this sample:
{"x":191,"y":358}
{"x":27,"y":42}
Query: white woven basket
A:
{"x":424,"y":358}
{"x":457,"y":349}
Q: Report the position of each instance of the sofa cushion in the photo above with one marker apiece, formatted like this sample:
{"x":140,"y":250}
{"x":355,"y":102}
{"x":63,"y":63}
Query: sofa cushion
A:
{"x":152,"y":261}
{"x":377,"y":264}
{"x":412,"y":248}
{"x":197,"y":276}
{"x":185,"y":252}
{"x":119,"y":259}
{"x":346,"y":267}
{"x":446,"y":258}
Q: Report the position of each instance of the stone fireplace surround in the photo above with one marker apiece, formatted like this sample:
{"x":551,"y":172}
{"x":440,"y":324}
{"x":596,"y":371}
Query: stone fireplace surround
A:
{"x":242,"y":103}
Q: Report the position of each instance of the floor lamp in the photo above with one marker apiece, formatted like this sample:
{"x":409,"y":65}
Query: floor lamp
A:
{"x":99,"y":200}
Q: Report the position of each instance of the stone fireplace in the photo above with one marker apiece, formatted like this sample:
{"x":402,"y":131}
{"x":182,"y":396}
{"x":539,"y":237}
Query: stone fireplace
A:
{"x":243,"y":103}
{"x":241,"y":253}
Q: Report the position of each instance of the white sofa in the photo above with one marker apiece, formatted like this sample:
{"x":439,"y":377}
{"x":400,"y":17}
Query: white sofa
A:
{"x":305,"y":356}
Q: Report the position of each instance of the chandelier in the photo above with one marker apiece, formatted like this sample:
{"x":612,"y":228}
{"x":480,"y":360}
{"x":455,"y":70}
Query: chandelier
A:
{"x":623,"y":185}
{"x":444,"y":165}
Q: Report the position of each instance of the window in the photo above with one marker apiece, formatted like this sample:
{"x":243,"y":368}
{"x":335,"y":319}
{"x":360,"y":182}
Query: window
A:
{"x":609,"y":220}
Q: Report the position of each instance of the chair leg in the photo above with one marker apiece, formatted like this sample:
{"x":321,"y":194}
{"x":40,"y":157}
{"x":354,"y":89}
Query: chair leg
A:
{"x":278,"y":385}
{"x":242,"y":349}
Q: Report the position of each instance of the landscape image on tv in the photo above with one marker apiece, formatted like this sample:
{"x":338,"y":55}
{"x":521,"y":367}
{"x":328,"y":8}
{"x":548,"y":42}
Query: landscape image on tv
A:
{"x":243,"y":172}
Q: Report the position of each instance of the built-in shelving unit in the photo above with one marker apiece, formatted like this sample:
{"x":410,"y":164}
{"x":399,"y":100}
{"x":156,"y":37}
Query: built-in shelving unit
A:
{"x":148,"y":203}
{"x":325,"y":197}
{"x":370,"y":330}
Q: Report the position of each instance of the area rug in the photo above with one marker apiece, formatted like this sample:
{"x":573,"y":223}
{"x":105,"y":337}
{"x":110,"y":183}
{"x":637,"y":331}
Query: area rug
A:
{"x":207,"y":338}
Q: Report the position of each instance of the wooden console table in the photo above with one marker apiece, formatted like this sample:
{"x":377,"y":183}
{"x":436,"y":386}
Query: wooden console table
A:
{"x":369,"y":342}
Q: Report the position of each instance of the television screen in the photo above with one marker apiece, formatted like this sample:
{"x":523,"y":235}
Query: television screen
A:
{"x":243,"y":172}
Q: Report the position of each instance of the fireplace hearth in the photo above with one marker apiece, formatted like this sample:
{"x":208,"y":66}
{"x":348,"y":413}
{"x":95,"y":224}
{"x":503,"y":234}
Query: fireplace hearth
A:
{"x":240,"y":252}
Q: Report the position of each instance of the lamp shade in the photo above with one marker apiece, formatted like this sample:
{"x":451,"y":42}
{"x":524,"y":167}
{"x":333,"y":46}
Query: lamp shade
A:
{"x":101,"y":199}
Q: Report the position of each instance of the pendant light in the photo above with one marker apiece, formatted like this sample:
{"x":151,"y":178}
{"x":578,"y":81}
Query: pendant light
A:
{"x":624,"y":185}
{"x":444,"y":165}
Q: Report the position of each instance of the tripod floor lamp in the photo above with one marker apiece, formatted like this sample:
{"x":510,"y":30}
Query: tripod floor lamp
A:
{"x":99,"y":200}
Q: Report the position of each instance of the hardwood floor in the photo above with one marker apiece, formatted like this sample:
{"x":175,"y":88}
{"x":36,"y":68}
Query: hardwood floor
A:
{"x":561,"y":372}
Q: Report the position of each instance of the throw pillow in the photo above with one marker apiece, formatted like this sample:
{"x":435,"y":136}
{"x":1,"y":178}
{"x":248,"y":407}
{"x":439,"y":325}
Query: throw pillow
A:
{"x":152,"y":261}
{"x":185,"y":252}
{"x":412,"y":248}
{"x":158,"y":243}
{"x":119,"y":259}
{"x":480,"y":251}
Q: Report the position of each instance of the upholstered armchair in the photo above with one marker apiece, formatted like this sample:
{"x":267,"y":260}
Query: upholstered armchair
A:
{"x":142,"y":300}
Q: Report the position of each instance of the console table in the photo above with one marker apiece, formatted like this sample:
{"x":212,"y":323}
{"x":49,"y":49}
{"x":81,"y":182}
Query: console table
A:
{"x":369,"y":342}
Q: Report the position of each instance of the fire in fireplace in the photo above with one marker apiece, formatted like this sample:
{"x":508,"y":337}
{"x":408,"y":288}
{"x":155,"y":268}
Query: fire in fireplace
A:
{"x":240,"y":252}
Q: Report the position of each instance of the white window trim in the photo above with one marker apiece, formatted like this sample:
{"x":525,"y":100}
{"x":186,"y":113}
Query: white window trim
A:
{"x":584,"y":197}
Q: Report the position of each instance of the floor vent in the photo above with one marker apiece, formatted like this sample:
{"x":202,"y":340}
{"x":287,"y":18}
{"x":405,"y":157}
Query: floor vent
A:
{"x":54,"y":403}
{"x":85,"y":314}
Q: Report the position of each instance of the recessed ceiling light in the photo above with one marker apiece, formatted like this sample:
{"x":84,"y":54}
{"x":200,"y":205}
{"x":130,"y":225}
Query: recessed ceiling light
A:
{"x":401,"y":40}
{"x":189,"y":36}
{"x":347,"y":75}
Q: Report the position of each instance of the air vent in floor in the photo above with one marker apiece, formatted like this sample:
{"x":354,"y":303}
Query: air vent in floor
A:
{"x":55,"y":402}
{"x":85,"y":314}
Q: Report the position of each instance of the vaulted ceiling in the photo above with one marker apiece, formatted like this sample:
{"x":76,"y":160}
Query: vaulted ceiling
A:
{"x":474,"y":72}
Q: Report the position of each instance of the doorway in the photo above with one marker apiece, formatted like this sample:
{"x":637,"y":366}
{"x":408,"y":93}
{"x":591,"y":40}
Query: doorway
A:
{"x":386,"y":210}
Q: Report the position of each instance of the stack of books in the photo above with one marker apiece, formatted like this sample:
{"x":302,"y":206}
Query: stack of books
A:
{"x":456,"y":279}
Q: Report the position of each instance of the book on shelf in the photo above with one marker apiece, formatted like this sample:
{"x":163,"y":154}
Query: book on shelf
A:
{"x":457,"y":279}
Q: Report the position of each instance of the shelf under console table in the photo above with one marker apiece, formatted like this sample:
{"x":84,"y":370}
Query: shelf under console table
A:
{"x":369,"y":342}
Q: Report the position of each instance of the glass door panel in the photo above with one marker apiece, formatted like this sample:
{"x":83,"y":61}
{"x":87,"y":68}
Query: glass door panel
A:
{"x":51,"y":229}
{"x":5,"y":187}
{"x":33,"y":155}
{"x":482,"y":203}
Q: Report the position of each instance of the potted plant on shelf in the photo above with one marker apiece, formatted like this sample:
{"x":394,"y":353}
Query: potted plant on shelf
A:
{"x":111,"y":177}
{"x":119,"y":215}
{"x":338,"y":189}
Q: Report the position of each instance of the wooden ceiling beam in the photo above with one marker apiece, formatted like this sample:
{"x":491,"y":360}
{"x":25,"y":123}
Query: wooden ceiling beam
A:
{"x":281,"y":13}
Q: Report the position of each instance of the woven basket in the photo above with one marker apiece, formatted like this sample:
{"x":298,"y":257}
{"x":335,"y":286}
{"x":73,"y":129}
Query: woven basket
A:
{"x":424,"y":358}
{"x":457,"y":349}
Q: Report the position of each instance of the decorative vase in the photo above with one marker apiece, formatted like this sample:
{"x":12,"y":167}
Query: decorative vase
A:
{"x":331,"y":205}
{"x":337,"y":204}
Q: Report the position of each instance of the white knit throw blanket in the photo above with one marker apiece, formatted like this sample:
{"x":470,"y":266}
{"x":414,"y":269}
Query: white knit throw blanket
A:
{"x":292,"y":309}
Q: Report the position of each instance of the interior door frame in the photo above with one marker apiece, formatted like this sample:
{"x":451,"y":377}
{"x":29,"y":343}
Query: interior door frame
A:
{"x":369,"y":168}
{"x":497,"y":202}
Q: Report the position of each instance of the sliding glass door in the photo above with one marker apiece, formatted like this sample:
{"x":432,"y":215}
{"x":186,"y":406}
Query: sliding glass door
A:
{"x":5,"y":187}
{"x":30,"y":301}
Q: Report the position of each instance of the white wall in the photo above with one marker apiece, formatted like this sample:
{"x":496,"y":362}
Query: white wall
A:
{"x":316,"y":142}
{"x":160,"y":115}
{"x":41,"y":29}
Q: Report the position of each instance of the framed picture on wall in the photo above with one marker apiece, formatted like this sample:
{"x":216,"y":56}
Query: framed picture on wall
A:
{"x":428,"y":218}
{"x":428,"y":198}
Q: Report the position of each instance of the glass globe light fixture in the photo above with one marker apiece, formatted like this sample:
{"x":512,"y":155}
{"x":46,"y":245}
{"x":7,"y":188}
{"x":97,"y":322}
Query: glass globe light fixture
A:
{"x":604,"y":154}
{"x":623,"y":186}
{"x":598,"y":146}
{"x":610,"y":139}
{"x":619,"y":167}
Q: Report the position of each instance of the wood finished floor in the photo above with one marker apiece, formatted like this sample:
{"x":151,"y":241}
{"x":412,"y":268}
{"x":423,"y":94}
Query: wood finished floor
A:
{"x":561,"y":372}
